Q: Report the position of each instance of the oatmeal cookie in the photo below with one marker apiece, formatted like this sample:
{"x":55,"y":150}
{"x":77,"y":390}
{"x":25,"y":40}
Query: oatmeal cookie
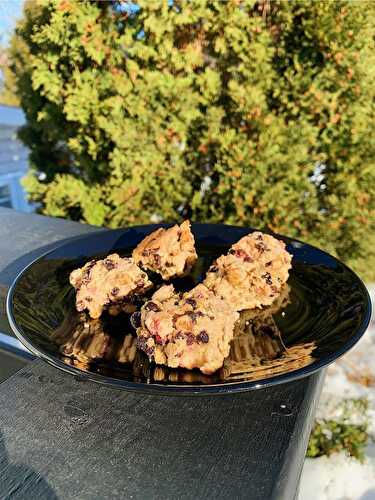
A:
{"x":107,"y":283}
{"x":169,"y":252}
{"x":252,"y":273}
{"x":189,"y":331}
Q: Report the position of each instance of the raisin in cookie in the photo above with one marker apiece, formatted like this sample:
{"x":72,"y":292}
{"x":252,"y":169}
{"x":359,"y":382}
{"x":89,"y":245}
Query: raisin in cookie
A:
{"x":106,"y":283}
{"x":252,"y":273}
{"x":169,"y":252}
{"x":189,"y":331}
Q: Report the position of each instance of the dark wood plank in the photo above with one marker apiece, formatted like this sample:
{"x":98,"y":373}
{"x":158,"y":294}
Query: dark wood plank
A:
{"x":62,"y":437}
{"x":9,"y":364}
{"x":76,"y":439}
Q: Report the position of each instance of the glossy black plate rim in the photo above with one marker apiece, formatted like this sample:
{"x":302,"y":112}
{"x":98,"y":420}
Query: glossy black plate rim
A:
{"x":193,"y":389}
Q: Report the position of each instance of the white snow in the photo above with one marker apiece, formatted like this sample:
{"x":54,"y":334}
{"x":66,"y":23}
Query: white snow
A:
{"x":340,"y":477}
{"x":337,"y":477}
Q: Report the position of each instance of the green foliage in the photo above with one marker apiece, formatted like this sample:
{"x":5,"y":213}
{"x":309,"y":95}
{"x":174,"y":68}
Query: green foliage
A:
{"x":341,"y":434}
{"x":128,"y":113}
{"x":331,"y":437}
{"x":8,"y":91}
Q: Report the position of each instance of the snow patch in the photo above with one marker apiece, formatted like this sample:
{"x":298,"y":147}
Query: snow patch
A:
{"x":337,"y":478}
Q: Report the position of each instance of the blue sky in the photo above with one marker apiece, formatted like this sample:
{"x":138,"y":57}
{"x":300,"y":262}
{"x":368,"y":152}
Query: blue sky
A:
{"x":10,"y":11}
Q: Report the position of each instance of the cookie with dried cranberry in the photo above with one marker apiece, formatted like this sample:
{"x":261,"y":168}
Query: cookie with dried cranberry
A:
{"x":169,"y":252}
{"x":192,"y":330}
{"x":106,"y":283}
{"x":252,"y":273}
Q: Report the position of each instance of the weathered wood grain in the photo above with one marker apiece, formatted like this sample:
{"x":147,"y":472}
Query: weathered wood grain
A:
{"x":81,"y":440}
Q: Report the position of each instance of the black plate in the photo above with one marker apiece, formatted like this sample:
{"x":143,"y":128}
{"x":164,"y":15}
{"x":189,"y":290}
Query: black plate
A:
{"x":323,"y":312}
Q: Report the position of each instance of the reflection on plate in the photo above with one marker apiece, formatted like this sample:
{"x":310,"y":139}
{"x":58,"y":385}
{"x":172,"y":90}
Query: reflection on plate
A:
{"x":257,"y":350}
{"x":321,"y":313}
